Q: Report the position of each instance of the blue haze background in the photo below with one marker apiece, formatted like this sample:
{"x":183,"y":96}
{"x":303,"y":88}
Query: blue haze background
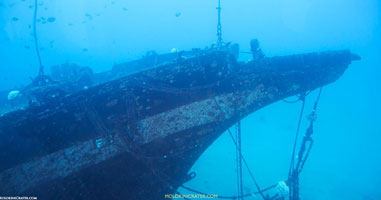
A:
{"x":345,"y":162}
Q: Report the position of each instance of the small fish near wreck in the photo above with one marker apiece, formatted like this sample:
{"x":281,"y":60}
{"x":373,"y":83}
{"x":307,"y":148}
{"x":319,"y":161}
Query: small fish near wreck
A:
{"x":137,"y":136}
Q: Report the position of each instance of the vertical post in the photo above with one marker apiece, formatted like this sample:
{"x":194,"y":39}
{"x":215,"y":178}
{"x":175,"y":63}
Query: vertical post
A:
{"x":219,"y":32}
{"x":239,"y":160}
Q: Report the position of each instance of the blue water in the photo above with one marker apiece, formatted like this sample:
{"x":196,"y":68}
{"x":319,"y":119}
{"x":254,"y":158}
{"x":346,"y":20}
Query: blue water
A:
{"x":345,"y":162}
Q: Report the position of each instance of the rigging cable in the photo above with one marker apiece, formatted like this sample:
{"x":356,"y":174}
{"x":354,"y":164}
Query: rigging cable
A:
{"x":303,"y":99}
{"x":41,"y":70}
{"x":307,"y":137}
{"x":293,"y":180}
{"x":243,"y":158}
{"x":295,"y":170}
{"x":247,"y":166}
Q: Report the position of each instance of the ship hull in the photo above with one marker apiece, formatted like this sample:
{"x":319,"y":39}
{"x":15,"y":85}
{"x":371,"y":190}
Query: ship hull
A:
{"x":137,"y":137}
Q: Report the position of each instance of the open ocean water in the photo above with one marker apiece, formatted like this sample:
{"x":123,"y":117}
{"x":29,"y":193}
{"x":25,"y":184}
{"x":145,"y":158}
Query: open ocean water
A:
{"x":345,"y":161}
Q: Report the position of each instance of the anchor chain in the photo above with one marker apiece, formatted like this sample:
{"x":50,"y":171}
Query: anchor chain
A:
{"x":304,"y":151}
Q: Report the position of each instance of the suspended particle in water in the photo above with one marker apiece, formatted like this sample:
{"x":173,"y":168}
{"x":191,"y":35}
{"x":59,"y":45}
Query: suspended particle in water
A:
{"x":15,"y":19}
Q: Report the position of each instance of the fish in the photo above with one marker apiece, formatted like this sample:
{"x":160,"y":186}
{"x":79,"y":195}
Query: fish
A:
{"x":51,"y":19}
{"x":89,"y":16}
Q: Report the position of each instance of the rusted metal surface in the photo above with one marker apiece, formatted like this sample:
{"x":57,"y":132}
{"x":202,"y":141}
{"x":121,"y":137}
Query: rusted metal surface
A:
{"x":137,"y":137}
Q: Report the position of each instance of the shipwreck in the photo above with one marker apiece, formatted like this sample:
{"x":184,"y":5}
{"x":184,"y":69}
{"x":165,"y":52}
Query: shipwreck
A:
{"x":137,"y":136}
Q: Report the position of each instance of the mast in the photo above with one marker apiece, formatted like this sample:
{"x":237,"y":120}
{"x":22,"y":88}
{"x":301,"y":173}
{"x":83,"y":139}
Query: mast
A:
{"x":219,"y":32}
{"x":41,"y":70}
